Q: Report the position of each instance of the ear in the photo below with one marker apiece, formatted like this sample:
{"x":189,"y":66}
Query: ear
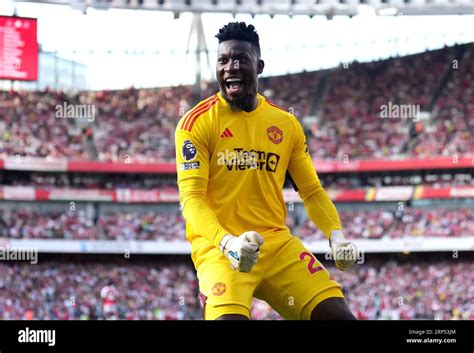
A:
{"x":260,"y":66}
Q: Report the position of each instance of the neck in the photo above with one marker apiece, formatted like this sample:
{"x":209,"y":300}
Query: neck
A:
{"x":248,"y":105}
{"x":251,"y":104}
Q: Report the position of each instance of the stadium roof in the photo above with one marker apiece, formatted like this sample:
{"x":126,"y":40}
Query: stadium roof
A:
{"x":143,"y":46}
{"x":327,"y":8}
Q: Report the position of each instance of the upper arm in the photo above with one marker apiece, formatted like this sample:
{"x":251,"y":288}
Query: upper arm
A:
{"x":192,"y":152}
{"x":300,"y":166}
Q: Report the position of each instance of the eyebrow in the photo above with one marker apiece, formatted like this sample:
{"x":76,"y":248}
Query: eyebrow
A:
{"x":242,"y":53}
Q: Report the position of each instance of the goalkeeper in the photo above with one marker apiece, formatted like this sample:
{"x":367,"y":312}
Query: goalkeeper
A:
{"x":233,"y":152}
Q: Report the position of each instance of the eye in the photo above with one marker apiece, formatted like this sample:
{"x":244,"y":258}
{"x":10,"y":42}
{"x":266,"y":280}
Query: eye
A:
{"x":222,"y":61}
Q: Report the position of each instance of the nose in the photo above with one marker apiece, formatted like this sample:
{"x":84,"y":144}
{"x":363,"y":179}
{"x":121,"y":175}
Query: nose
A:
{"x":232,"y":66}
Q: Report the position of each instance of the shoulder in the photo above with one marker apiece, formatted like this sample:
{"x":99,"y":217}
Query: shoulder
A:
{"x":189,"y":120}
{"x":278,"y":109}
{"x":281,"y":113}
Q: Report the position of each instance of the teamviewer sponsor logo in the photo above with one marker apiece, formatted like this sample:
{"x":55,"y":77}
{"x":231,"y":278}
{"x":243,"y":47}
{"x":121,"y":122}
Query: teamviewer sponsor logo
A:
{"x":240,"y":159}
{"x":272,"y":162}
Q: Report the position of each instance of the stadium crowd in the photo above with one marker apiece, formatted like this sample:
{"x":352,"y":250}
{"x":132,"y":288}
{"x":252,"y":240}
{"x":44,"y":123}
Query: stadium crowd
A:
{"x":345,"y":105}
{"x":295,"y":93}
{"x":25,"y":223}
{"x":169,"y":225}
{"x":65,"y":291}
{"x":351,"y":122}
{"x":138,"y":125}
{"x":453,"y":115}
{"x":409,"y":222}
{"x":29,"y":127}
{"x":87,"y":180}
{"x":390,"y":290}
{"x":143,"y":226}
{"x":144,"y":181}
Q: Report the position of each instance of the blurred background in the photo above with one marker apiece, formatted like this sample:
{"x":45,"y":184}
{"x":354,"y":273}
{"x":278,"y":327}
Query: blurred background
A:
{"x":91,"y":92}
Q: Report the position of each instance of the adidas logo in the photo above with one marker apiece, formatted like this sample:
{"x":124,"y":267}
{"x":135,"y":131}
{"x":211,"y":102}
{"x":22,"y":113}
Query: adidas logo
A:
{"x":227,"y":133}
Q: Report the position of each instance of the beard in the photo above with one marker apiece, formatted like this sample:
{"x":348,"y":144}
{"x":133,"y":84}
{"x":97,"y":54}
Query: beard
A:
{"x":245,"y":101}
{"x":241,"y":103}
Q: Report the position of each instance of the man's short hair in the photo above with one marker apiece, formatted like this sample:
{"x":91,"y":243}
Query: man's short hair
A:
{"x":240,"y":31}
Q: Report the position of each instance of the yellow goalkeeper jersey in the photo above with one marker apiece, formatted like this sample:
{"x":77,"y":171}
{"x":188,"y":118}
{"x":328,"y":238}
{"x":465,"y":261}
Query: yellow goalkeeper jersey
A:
{"x":231,"y":168}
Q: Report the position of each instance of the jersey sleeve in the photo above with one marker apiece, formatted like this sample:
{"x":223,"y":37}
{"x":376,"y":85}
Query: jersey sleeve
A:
{"x":192,"y":163}
{"x":319,"y":206}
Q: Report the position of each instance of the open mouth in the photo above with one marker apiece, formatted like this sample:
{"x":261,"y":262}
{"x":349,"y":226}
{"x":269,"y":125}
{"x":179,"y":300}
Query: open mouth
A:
{"x":234,"y":85}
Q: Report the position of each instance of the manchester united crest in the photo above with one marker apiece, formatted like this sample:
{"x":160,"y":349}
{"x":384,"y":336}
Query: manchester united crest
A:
{"x":275,"y":134}
{"x":218,"y":289}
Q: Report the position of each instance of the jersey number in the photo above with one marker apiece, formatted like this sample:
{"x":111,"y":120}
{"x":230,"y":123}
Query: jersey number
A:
{"x":312,"y":260}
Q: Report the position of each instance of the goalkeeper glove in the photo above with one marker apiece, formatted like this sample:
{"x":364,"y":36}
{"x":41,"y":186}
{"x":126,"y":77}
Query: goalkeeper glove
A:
{"x":242,"y":251}
{"x":343,"y":251}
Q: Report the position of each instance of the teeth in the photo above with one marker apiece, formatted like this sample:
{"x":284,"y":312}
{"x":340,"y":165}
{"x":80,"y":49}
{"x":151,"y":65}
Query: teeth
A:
{"x":233,"y":80}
